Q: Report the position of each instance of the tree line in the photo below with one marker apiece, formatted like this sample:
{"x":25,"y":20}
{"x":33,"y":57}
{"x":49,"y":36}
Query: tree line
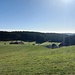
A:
{"x":37,"y":37}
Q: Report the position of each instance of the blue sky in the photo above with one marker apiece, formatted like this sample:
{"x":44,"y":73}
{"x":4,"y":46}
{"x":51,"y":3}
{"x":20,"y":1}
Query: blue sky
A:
{"x":38,"y":15}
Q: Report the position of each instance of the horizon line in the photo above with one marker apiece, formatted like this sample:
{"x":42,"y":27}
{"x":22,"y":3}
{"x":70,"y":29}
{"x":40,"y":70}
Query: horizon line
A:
{"x":9,"y":30}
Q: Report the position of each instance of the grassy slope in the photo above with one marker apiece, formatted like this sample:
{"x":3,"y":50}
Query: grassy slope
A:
{"x":36,"y":60}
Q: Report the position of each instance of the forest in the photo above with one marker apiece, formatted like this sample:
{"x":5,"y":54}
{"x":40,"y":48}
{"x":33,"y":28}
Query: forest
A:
{"x":38,"y":37}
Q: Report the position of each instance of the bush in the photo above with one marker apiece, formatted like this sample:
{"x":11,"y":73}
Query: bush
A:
{"x":54,"y":46}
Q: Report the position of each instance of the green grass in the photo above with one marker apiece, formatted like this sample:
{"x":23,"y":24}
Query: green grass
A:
{"x":28,"y":59}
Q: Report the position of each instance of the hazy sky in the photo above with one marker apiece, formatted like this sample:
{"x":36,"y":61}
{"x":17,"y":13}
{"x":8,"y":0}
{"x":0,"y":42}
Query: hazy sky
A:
{"x":38,"y":15}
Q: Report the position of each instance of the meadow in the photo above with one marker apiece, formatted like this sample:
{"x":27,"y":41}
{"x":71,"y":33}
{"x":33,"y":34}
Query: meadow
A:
{"x":29,"y":59}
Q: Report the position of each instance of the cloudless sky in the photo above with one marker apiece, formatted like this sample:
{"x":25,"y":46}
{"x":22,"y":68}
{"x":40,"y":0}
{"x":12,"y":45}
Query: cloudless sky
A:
{"x":38,"y":15}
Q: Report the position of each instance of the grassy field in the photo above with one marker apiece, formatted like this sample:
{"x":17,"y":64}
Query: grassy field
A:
{"x":31,"y":59}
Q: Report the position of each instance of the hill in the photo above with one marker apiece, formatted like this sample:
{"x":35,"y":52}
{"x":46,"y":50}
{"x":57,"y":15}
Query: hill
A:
{"x":31,"y":36}
{"x":36,"y":60}
{"x":66,"y":38}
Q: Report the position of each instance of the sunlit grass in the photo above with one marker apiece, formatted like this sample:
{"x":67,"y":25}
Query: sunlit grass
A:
{"x":36,"y":60}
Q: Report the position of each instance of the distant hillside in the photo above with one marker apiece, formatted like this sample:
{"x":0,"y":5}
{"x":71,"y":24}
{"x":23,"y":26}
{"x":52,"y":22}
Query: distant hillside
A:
{"x":69,"y":33}
{"x":36,"y":36}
